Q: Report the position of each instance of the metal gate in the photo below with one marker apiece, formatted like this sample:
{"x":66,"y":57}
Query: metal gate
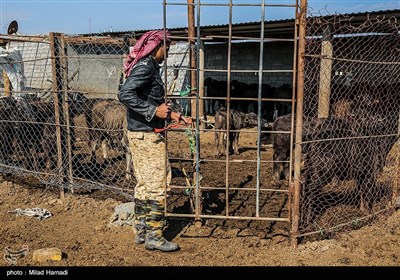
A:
{"x":237,"y":185}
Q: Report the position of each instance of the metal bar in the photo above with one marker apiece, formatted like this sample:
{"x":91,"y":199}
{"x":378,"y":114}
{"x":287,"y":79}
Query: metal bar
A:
{"x":198,"y":202}
{"x":230,"y":217}
{"x":165,"y":96}
{"x":201,"y":81}
{"x":192,"y":54}
{"x":260,"y":82}
{"x":181,"y":38}
{"x":294,"y":82}
{"x":233,"y":189}
{"x":235,"y":5}
{"x":222,"y":160}
{"x":228,"y":111}
{"x":268,"y":39}
{"x":273,"y":132}
{"x":245,"y":99}
{"x":301,"y":17}
{"x":240,"y":70}
{"x":248,"y":71}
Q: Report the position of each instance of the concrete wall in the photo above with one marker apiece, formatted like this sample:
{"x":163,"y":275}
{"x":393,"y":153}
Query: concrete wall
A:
{"x":37,"y":63}
{"x":99,"y":68}
{"x":245,"y":56}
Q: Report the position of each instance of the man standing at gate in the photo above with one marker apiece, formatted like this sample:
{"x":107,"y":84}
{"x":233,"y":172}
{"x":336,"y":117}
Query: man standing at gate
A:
{"x":143,"y":95}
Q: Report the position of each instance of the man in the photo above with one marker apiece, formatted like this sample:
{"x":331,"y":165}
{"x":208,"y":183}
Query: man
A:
{"x":143,"y":95}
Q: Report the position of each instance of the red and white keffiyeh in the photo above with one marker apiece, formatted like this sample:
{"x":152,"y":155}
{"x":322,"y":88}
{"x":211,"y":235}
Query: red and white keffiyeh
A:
{"x":143,"y":47}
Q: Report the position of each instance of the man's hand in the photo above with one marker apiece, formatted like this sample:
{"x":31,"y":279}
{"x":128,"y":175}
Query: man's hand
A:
{"x":162,"y":111}
{"x":178,"y":117}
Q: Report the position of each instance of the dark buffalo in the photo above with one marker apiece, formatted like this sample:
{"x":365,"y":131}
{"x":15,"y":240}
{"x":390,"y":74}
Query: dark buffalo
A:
{"x":238,"y":120}
{"x":351,"y":145}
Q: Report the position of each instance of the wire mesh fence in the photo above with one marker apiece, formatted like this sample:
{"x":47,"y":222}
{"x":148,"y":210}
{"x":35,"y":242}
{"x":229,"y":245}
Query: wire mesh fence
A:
{"x":61,"y":121}
{"x":350,"y":121}
{"x":55,"y":130}
{"x":64,"y":126}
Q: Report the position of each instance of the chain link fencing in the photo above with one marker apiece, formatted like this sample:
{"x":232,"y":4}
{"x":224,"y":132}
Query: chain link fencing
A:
{"x":350,"y":147}
{"x":61,"y":122}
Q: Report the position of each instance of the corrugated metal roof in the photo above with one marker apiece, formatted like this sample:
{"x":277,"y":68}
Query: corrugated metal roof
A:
{"x":282,"y":28}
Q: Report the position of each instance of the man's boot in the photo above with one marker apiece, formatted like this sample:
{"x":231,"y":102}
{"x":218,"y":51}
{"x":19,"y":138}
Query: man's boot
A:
{"x":155,"y":224}
{"x":140,"y":221}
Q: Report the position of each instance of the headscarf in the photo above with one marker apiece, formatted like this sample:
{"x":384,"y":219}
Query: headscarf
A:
{"x":143,"y":47}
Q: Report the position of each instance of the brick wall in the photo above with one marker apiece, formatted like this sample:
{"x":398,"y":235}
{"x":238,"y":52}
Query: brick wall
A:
{"x":245,"y":56}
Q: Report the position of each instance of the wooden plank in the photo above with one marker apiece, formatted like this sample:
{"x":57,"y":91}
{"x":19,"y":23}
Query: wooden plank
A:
{"x":55,"y":62}
{"x":325,"y":75}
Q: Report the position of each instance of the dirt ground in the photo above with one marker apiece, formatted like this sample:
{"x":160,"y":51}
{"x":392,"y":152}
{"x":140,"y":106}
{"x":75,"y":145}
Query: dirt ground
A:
{"x":80,"y":227}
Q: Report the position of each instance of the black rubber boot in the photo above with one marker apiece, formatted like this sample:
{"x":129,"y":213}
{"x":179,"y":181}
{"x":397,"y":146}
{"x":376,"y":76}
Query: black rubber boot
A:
{"x":140,"y":221}
{"x":155,"y":224}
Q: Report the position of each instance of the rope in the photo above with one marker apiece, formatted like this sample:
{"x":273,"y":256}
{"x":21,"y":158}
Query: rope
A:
{"x":173,"y":124}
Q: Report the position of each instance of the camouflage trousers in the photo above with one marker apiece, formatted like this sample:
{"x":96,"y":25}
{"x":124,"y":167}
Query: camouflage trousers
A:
{"x":152,"y":172}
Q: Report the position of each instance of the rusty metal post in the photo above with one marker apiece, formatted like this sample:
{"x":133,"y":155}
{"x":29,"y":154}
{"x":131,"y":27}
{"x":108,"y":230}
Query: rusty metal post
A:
{"x":192,"y":53}
{"x":228,"y":108}
{"x":201,"y":83}
{"x":301,"y":21}
{"x":7,"y":84}
{"x":194,"y":62}
{"x":55,"y":61}
{"x":293,"y":103}
{"x":259,"y":112}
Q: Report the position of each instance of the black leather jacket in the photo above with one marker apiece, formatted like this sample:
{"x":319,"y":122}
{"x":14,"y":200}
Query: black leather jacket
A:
{"x":141,"y":93}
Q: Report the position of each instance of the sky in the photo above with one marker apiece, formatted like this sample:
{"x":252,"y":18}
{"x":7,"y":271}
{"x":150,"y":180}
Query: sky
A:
{"x":37,"y":17}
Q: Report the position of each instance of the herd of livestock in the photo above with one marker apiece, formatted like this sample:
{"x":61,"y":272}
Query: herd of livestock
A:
{"x":351,"y":144}
{"x":29,"y":135}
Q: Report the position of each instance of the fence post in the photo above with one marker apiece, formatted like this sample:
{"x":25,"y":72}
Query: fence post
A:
{"x":65,"y":105}
{"x":192,"y":54}
{"x":301,"y":17}
{"x":59,"y":75}
{"x":201,"y":84}
{"x":325,"y":74}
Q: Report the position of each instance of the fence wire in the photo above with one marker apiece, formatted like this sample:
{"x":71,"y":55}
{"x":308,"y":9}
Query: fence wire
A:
{"x":63,"y":126}
{"x":61,"y":123}
{"x":350,"y":121}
